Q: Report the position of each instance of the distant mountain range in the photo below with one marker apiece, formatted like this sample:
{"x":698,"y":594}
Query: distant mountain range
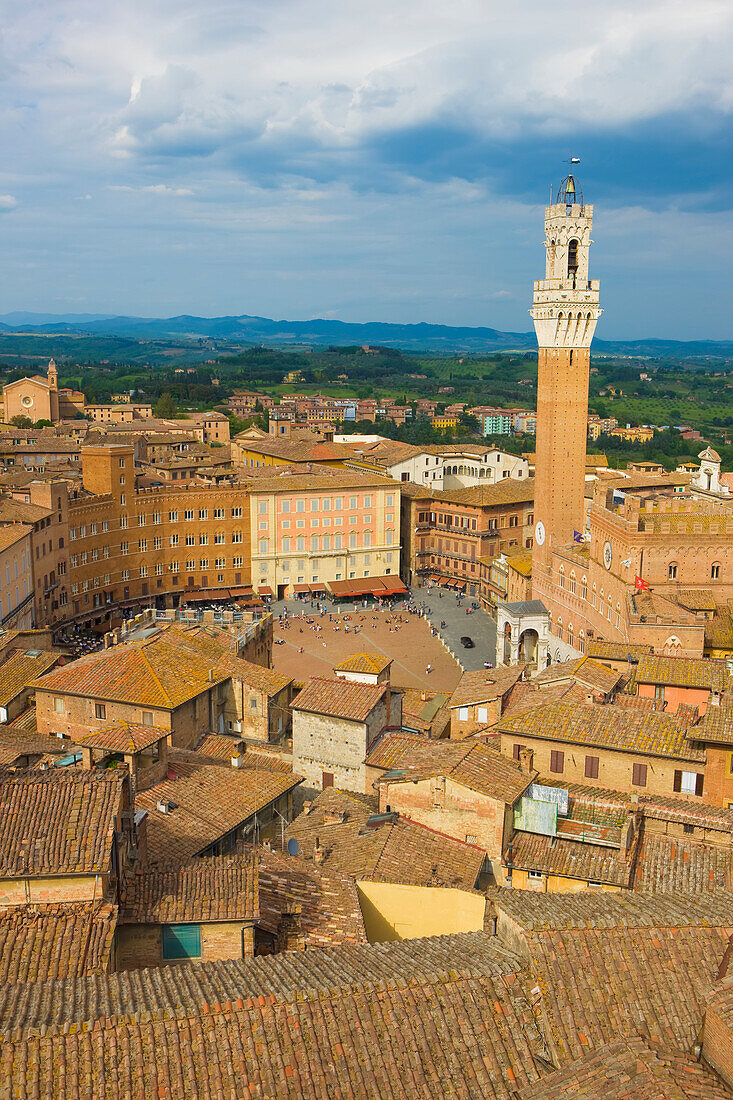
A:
{"x":249,"y":330}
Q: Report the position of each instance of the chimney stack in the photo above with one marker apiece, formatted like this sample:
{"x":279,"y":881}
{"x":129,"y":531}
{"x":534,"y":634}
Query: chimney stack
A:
{"x":526,"y":759}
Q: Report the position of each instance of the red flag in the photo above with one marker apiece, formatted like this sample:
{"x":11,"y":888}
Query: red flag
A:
{"x":641,"y":585}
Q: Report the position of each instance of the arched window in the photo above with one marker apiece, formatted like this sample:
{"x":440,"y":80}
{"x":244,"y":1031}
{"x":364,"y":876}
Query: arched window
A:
{"x":559,"y":629}
{"x":610,"y":608}
{"x":715,"y":571}
{"x":572,"y":581}
{"x":562,"y":576}
{"x":573,"y":256}
{"x":584,"y":588}
{"x":672,"y":571}
{"x":570,"y":634}
{"x":581,"y":641}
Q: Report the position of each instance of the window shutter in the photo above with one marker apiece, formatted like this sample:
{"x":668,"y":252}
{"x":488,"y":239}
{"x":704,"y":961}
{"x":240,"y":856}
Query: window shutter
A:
{"x":677,"y":781}
{"x":699,"y":783}
{"x":557,"y":761}
{"x":591,"y":767}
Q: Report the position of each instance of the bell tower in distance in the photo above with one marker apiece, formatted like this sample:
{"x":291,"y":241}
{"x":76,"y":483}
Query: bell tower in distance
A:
{"x":565,"y":311}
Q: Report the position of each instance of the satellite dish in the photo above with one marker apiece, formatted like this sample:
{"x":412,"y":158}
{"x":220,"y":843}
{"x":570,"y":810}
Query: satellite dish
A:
{"x":293,"y":847}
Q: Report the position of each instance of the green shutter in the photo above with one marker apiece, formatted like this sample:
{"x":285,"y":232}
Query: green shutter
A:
{"x":181,"y":941}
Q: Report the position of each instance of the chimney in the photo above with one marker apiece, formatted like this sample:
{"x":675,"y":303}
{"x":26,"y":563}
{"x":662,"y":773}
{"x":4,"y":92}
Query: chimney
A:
{"x":318,"y":852}
{"x":526,"y":759}
{"x":290,"y":929}
{"x":630,"y":830}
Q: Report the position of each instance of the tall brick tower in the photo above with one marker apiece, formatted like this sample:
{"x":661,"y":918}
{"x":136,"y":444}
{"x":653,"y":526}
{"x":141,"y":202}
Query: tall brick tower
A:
{"x":565,"y":311}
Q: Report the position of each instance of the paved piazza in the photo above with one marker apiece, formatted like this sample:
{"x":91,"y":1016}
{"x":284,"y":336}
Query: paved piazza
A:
{"x":326,"y":640}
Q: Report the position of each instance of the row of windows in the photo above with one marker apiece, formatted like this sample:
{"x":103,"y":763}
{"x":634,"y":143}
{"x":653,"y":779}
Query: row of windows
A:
{"x":324,"y":542}
{"x":323,"y":504}
{"x":684,"y":782}
{"x":155,"y":518}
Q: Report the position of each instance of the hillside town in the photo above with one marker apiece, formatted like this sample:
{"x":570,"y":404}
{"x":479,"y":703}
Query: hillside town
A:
{"x":336,"y":766}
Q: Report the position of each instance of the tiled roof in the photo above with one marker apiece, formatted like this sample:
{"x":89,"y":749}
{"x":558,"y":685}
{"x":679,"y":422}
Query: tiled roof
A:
{"x":17,"y":741}
{"x":220,"y":888}
{"x":471,"y":763}
{"x":585,"y":670}
{"x":58,"y":822}
{"x":417,"y":1041}
{"x":124,"y":737}
{"x":10,"y":533}
{"x":608,"y":982}
{"x":521,"y":562}
{"x":606,"y":727}
{"x":719,"y":629}
{"x":327,"y":902}
{"x":192,"y":989}
{"x":693,"y":672}
{"x":629,"y":1069}
{"x":617,"y":651}
{"x":510,"y":490}
{"x":569,"y":858}
{"x":61,"y":940}
{"x":339,"y":698}
{"x":485,"y":684}
{"x":696,"y":599}
{"x":536,"y":912}
{"x":161,"y":672}
{"x":425,"y":711}
{"x":220,"y":746}
{"x":387,"y":849}
{"x":210,"y":802}
{"x":716,"y":724}
{"x":672,"y":865}
{"x":20,"y":670}
{"x":374,"y":663}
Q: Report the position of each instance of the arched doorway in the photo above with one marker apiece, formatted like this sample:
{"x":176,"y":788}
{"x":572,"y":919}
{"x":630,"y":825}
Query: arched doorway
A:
{"x":528,"y":646}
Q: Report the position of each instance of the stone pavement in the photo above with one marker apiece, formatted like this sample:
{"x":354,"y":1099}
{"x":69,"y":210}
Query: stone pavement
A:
{"x":478,"y":626}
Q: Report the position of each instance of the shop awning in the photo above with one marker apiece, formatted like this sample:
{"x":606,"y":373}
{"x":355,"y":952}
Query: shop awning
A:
{"x":393,"y":586}
{"x":460,"y":584}
{"x":366,"y":586}
{"x":264,"y":590}
{"x":316,"y":588}
{"x":299,"y":589}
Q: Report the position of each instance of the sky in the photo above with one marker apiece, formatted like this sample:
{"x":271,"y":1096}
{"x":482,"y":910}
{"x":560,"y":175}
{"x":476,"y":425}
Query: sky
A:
{"x":384,"y":160}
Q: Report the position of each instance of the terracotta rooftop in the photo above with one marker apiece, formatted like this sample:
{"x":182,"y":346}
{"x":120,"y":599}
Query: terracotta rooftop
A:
{"x":21,"y":669}
{"x":510,"y":490}
{"x":124,"y":737}
{"x":537,"y":912}
{"x":585,"y":671}
{"x":696,"y":599}
{"x":568,"y":858}
{"x":60,"y":940}
{"x":606,"y":727}
{"x":161,"y":672}
{"x":220,"y":888}
{"x":674,"y":865}
{"x":630,"y":1069}
{"x":372,"y":663}
{"x":471,"y":763}
{"x":327,"y":902}
{"x":210,"y":801}
{"x":340,"y":698}
{"x":616,"y":651}
{"x":354,"y":839}
{"x":58,"y":822}
{"x":222,"y":747}
{"x":692,"y":672}
{"x":484,"y":685}
{"x":716,"y":724}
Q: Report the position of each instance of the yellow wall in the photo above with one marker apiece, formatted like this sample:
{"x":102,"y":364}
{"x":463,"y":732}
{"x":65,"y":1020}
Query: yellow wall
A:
{"x":396,"y":912}
{"x":556,"y":884}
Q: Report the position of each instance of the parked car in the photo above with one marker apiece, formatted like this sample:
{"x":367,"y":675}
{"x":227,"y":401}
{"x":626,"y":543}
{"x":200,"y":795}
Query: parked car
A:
{"x":467,"y":642}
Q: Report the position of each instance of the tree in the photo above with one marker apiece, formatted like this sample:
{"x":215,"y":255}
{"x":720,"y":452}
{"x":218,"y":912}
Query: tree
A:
{"x":165,"y":407}
{"x":21,"y":422}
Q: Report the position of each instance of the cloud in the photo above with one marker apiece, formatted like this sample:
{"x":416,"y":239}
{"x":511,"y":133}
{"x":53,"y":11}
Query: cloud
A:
{"x":8,"y":202}
{"x":409,"y":132}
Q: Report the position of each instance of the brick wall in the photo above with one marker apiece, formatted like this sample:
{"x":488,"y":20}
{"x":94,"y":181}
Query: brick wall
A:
{"x":52,"y":888}
{"x":717,"y":1045}
{"x":140,"y":945}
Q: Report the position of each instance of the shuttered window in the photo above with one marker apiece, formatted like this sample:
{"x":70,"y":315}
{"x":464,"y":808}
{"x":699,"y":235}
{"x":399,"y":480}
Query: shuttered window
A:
{"x":557,"y":761}
{"x":638,"y":777}
{"x":181,"y":941}
{"x":591,"y":767}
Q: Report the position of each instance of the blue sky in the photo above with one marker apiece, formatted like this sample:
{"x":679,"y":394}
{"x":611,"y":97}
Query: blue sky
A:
{"x":386,"y":160}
